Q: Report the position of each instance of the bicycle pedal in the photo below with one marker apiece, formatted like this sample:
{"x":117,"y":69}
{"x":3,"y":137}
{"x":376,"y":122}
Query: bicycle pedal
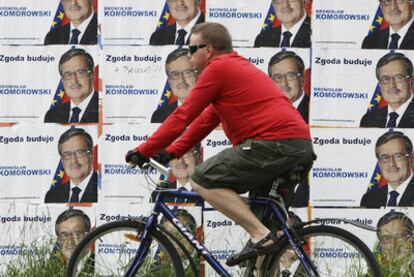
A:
{"x":244,"y":264}
{"x":238,"y":259}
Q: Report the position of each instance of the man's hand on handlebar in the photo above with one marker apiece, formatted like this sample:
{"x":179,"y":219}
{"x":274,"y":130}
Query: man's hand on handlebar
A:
{"x":134,"y":157}
{"x":164,"y":157}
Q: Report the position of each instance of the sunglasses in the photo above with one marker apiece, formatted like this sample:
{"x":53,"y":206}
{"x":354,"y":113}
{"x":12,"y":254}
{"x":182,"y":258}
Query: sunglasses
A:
{"x":193,"y":48}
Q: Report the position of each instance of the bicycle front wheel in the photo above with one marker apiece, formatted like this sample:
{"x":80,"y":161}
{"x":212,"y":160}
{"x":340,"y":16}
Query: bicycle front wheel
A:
{"x":333,"y":251}
{"x":110,"y":249}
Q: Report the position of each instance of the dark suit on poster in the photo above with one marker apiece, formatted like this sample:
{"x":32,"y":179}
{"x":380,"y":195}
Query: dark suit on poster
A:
{"x":301,"y":197}
{"x":303,"y":108}
{"x":167,"y":34}
{"x":379,"y":39}
{"x":61,"y":35}
{"x":161,"y":114}
{"x":378,"y":198}
{"x":60,"y":194}
{"x":60,"y":114}
{"x":378,"y":118}
{"x":272,"y":37}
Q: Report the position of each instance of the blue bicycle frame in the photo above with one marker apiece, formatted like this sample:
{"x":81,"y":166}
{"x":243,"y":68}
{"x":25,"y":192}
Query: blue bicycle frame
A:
{"x":161,"y":207}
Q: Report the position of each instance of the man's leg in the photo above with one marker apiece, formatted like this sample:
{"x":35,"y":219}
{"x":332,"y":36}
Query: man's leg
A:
{"x":230,"y":204}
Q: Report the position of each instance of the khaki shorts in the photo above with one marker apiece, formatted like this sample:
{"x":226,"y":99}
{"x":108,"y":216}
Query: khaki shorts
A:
{"x":253,"y":163}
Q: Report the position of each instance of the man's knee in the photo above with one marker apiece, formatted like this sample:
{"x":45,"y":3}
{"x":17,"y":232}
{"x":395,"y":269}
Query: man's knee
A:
{"x":196,"y":187}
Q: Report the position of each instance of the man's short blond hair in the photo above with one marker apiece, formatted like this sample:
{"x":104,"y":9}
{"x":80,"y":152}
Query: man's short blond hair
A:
{"x":216,"y":35}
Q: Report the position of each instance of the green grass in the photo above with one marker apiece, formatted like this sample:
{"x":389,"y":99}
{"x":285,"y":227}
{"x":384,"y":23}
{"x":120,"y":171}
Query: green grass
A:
{"x":399,"y":261}
{"x":36,"y":260}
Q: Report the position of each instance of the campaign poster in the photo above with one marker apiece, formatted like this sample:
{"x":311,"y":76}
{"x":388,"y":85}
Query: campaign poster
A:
{"x":225,"y":238}
{"x":130,"y":22}
{"x":215,"y":142}
{"x":46,"y":22}
{"x":259,"y":25}
{"x":344,"y":86}
{"x":108,"y":247}
{"x":24,"y":228}
{"x":346,"y":166}
{"x":344,"y":24}
{"x":388,"y":233}
{"x":31,"y":164}
{"x":261,"y":57}
{"x":120,"y":181}
{"x":264,"y":59}
{"x":28,"y":95}
{"x":134,"y":82}
{"x":26,"y":22}
{"x":35,"y":236}
{"x":243,"y":20}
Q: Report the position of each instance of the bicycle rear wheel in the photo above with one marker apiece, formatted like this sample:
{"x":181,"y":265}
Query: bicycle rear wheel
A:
{"x":333,"y":251}
{"x":110,"y":249}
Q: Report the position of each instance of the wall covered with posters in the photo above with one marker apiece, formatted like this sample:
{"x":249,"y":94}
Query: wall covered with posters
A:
{"x":82,"y":82}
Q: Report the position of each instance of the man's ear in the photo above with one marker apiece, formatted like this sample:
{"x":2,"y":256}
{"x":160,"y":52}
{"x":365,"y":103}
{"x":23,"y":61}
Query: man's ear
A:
{"x":91,"y":156}
{"x":411,"y":157}
{"x":210,"y":51}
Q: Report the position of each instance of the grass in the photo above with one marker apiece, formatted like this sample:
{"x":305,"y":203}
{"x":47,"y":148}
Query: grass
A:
{"x":398,"y":261}
{"x":35,"y":260}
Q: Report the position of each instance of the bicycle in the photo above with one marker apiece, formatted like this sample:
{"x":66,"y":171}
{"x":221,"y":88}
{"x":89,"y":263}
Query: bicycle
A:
{"x":143,"y":248}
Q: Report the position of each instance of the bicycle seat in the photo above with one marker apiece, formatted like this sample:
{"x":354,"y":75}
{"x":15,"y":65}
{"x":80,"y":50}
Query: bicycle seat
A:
{"x":284,"y":185}
{"x":295,"y":174}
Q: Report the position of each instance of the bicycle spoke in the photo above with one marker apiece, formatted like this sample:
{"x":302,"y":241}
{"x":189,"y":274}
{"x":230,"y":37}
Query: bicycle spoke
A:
{"x":110,"y":253}
{"x":333,"y":252}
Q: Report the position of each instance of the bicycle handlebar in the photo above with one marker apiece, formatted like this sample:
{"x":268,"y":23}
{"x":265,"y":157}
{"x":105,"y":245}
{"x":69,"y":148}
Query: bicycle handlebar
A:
{"x":159,"y":167}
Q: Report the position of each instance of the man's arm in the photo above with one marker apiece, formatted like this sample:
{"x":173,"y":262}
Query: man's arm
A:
{"x":196,"y":132}
{"x":204,"y":93}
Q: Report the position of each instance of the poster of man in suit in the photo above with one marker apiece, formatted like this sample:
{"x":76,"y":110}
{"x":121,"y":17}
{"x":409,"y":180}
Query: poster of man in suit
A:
{"x":76,"y":68}
{"x":394,"y":72}
{"x":82,"y":28}
{"x":186,"y":14}
{"x":395,"y":232}
{"x":181,"y":170}
{"x":400,"y":32}
{"x":287,"y":70}
{"x":75,"y":148}
{"x":295,"y":27}
{"x":71,"y":227}
{"x":181,"y":77}
{"x":394,"y":151}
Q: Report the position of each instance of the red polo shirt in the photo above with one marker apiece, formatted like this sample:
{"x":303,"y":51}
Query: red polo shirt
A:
{"x":236,"y":93}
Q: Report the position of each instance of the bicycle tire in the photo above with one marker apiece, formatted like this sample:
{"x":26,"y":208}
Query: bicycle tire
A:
{"x":334,"y":252}
{"x":109,"y":249}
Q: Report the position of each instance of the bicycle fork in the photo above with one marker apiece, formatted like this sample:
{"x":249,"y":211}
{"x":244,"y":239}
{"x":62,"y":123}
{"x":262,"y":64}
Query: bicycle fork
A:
{"x":143,"y":248}
{"x":297,"y":244}
{"x":294,"y":240}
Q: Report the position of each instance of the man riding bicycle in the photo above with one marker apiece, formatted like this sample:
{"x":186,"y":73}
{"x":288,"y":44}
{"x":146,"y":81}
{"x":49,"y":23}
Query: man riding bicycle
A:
{"x":269,"y":136}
